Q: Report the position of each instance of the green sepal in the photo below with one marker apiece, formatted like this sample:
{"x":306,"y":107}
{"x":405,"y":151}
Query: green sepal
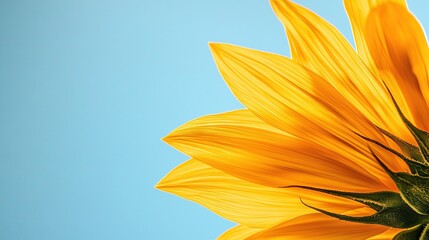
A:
{"x":408,"y":149}
{"x":417,"y":233}
{"x":376,"y":200}
{"x":391,"y":210}
{"x":425,"y":233}
{"x":414,"y":189}
{"x":415,"y":167}
{"x":418,"y":168}
{"x":422,"y":137}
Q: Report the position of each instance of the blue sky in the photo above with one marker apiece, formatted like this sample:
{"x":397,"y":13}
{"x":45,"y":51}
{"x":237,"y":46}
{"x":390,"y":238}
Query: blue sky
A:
{"x":88,"y":89}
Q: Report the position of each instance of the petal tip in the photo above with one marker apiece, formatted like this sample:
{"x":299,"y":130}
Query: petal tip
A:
{"x":161,"y":185}
{"x":166,"y":138}
{"x":281,"y":6}
{"x":277,"y":2}
{"x":169,"y":138}
{"x":214,"y":46}
{"x":218,"y":49}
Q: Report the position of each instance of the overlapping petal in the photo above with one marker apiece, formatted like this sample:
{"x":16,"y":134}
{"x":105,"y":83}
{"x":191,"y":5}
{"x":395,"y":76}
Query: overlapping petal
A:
{"x":319,"y":46}
{"x":387,"y":235}
{"x":290,"y":97}
{"x":317,"y":226}
{"x":357,"y":11}
{"x":242,"y":145}
{"x":243,"y":202}
{"x":399,"y":48}
{"x":239,"y":232}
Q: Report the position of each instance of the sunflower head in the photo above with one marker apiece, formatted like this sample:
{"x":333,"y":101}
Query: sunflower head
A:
{"x":333,"y":142}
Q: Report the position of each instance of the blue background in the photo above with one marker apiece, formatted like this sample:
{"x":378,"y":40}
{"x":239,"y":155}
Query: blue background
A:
{"x":87,"y":89}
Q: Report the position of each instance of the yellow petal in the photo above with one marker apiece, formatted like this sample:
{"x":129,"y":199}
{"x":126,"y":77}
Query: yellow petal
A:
{"x":243,"y":202}
{"x":321,"y":47}
{"x":239,"y":232}
{"x":399,"y":48}
{"x":242,"y":145}
{"x":388,"y":235}
{"x":290,"y":97}
{"x":358,"y":11}
{"x":318,"y":226}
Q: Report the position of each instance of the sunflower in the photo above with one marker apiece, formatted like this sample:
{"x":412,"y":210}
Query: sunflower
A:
{"x":333,"y":142}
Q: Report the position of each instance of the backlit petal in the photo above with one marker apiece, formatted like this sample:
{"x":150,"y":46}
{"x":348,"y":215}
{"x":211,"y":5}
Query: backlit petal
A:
{"x":290,"y":97}
{"x":243,"y":202}
{"x":242,"y":145}
{"x":400,"y":51}
{"x":239,"y":232}
{"x":388,"y":235}
{"x":358,"y":11}
{"x":319,"y":46}
{"x":317,"y":226}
